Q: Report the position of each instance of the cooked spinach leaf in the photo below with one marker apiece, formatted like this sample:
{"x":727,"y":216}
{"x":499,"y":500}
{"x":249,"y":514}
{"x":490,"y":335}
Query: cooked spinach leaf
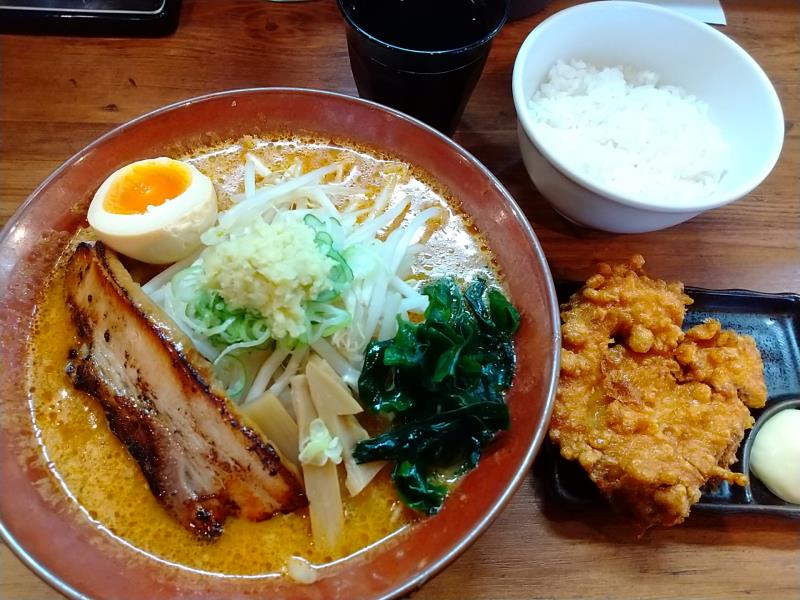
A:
{"x":442,"y":381}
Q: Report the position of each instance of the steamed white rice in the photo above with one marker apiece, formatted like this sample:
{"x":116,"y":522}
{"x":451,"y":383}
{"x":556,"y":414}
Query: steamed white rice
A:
{"x":622,"y":131}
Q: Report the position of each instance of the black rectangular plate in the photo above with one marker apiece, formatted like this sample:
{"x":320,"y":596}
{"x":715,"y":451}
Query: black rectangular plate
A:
{"x":774,"y":322}
{"x":134,"y":18}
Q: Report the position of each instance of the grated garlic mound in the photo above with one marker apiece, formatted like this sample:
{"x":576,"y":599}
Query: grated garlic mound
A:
{"x":620,"y":129}
{"x":274,"y":269}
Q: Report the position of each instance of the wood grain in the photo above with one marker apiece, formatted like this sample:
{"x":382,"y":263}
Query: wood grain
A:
{"x":58,"y":94}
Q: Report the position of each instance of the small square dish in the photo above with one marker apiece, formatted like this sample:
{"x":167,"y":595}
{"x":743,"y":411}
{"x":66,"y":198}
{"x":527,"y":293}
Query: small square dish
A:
{"x":774,"y":322}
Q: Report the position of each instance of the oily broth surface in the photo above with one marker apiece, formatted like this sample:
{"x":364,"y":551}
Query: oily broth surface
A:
{"x":96,"y":469}
{"x":455,"y":249}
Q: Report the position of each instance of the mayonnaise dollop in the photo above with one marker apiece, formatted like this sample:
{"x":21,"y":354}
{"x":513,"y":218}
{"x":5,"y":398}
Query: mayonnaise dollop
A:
{"x":775,"y":455}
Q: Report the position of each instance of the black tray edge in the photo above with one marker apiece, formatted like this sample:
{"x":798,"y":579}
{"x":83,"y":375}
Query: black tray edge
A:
{"x":568,"y":287}
{"x":552,"y":457}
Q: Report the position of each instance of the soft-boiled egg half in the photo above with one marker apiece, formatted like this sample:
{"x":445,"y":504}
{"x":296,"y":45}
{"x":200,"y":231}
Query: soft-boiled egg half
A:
{"x":154,"y":210}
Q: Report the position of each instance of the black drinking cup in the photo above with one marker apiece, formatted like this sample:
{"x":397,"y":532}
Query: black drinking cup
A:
{"x":422,"y":57}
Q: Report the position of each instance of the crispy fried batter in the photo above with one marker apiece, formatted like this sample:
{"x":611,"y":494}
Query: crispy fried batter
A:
{"x":652,"y":413}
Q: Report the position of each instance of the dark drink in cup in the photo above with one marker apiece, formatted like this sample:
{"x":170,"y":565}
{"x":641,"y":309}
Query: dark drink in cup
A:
{"x":422,"y":57}
{"x":436,"y":98}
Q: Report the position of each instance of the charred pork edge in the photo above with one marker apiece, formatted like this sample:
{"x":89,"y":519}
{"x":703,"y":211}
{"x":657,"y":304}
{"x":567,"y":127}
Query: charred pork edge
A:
{"x":265,"y":452}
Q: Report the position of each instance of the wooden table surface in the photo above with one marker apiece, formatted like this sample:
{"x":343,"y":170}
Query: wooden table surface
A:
{"x":58,"y":94}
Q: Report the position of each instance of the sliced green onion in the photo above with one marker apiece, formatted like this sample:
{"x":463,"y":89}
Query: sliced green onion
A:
{"x":230,"y":370}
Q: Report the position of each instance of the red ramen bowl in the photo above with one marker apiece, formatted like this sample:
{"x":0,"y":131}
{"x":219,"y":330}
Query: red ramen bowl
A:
{"x":61,"y":543}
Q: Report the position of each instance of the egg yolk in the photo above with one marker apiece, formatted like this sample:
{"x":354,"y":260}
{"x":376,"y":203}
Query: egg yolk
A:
{"x":146,"y":184}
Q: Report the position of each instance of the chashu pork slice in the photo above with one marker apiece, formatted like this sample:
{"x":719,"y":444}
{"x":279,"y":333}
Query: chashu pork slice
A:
{"x":199,"y":460}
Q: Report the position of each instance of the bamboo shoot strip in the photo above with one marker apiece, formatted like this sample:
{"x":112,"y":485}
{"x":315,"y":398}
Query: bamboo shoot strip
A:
{"x":269,"y":414}
{"x":336,"y":406}
{"x":328,"y":393}
{"x":322,"y":483}
{"x":350,"y":432}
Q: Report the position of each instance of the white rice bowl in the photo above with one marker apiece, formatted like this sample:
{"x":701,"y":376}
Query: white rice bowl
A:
{"x":711,"y":71}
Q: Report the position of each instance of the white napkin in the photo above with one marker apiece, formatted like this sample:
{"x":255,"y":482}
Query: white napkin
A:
{"x":707,"y":11}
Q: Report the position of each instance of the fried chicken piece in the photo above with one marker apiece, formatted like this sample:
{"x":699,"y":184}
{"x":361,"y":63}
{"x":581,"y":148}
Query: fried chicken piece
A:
{"x":650,"y":412}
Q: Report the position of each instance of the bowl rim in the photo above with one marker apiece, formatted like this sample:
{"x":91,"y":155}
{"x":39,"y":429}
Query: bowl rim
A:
{"x":702,"y":204}
{"x":552,"y":308}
